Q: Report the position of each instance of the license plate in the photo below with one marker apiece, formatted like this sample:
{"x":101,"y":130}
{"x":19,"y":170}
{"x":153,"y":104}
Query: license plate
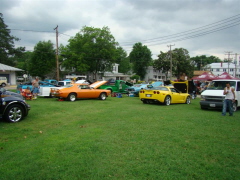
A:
{"x":148,"y":95}
{"x":212,"y":105}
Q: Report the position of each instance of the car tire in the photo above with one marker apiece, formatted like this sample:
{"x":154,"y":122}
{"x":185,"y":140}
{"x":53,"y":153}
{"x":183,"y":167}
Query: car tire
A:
{"x":72,"y":97}
{"x":3,"y":84}
{"x":14,"y":113}
{"x":188,"y":100}
{"x":235,"y":106}
{"x":103,"y":96}
{"x":167,"y":100}
{"x":203,"y":108}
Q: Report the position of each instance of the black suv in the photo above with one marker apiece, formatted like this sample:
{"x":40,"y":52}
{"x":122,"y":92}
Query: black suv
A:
{"x":12,"y":109}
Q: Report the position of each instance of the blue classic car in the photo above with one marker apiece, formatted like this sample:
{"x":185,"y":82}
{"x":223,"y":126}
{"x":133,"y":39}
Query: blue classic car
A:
{"x":137,"y":87}
{"x":29,"y":84}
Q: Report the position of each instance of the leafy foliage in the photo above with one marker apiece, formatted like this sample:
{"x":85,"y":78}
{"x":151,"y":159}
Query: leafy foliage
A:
{"x":8,"y":53}
{"x":43,"y":59}
{"x":162,"y":63}
{"x":122,"y":60}
{"x":92,"y":49}
{"x":181,"y":63}
{"x":140,"y":56}
{"x":200,"y":61}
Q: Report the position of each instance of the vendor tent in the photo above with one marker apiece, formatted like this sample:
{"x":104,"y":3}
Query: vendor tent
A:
{"x":204,"y":77}
{"x":225,"y":75}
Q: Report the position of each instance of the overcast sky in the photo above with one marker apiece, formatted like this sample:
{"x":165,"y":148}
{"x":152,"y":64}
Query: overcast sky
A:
{"x":203,"y":27}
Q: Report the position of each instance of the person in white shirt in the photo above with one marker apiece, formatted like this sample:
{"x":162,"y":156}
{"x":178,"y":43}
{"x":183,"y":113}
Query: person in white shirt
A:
{"x":229,"y":99}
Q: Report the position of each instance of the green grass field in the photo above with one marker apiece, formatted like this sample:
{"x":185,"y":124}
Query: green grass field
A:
{"x":120,"y":138}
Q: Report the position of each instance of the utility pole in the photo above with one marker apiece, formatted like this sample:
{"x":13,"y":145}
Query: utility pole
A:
{"x":228,"y":59}
{"x":57,"y":62}
{"x":170,"y":60}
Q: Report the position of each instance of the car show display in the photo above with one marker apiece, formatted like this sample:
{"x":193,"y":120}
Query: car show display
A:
{"x":178,"y":93}
{"x":72,"y":92}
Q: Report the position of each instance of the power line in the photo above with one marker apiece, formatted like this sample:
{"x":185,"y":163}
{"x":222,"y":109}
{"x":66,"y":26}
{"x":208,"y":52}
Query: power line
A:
{"x":236,"y":17}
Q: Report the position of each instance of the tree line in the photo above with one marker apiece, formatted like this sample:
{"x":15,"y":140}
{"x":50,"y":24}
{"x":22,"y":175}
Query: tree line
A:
{"x":93,"y":50}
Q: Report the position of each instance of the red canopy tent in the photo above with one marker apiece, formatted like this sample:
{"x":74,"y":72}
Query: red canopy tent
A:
{"x":225,"y":75}
{"x":204,"y":77}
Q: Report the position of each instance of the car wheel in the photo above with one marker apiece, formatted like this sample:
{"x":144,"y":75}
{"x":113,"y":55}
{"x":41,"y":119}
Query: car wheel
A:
{"x":103,"y":96}
{"x":72,"y":97}
{"x":203,"y":108}
{"x":14,"y":113}
{"x":234,"y":106}
{"x":3,"y":84}
{"x":167,"y":100}
{"x":188,"y":100}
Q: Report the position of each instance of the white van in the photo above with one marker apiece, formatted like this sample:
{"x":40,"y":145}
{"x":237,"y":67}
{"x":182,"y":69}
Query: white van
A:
{"x":212,"y":97}
{"x":3,"y":81}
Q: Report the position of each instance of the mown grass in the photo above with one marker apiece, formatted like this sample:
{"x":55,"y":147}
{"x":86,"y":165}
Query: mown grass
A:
{"x":120,"y":138}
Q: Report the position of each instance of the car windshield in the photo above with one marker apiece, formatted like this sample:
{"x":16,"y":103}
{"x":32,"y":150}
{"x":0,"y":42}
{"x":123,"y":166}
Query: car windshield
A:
{"x":220,"y":85}
{"x":155,"y":84}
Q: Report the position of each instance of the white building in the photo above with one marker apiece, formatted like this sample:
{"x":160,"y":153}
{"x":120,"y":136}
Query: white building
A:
{"x":10,"y":73}
{"x":154,"y":75}
{"x":114,"y":74}
{"x":218,"y":68}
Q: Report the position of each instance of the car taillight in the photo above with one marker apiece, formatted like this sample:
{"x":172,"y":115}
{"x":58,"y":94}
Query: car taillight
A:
{"x":156,"y":92}
{"x":141,"y":91}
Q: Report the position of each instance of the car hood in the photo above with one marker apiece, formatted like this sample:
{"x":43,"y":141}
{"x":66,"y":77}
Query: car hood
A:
{"x":97,"y":84}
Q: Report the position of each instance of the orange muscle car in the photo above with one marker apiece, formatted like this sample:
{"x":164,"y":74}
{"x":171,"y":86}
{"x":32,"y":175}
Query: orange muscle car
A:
{"x":71,"y":92}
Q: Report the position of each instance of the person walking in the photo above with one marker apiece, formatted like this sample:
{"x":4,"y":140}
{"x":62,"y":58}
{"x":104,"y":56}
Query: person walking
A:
{"x":35,"y":86}
{"x":229,"y":99}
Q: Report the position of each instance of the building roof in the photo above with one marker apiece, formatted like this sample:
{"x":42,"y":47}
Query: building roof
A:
{"x":222,"y":65}
{"x":197,"y":73}
{"x":4,"y":67}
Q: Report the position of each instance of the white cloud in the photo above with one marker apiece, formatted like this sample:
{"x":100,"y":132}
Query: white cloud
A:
{"x":129,"y":21}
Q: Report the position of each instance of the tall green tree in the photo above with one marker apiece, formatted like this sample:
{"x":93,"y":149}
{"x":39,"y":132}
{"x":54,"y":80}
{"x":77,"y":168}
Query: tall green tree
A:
{"x":122,"y":60}
{"x":8,"y":52}
{"x":92,"y":50}
{"x":43,"y":59}
{"x":200,"y":61}
{"x":181,"y":63}
{"x":141,"y":58}
{"x":162,"y":63}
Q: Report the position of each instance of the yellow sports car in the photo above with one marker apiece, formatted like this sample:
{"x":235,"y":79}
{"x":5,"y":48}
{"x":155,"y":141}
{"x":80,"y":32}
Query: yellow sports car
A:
{"x":166,"y":94}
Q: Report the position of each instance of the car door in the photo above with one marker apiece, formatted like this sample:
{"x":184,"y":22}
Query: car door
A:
{"x":85,"y":91}
{"x":177,"y":97}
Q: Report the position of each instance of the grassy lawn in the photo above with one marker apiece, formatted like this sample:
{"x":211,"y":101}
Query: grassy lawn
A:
{"x":120,"y":138}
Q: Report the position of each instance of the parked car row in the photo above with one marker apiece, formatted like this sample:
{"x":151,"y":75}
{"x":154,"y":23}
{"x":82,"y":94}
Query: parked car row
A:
{"x":13,"y":107}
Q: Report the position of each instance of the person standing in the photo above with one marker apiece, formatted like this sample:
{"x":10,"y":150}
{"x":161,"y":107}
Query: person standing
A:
{"x":35,"y":86}
{"x":229,"y":99}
